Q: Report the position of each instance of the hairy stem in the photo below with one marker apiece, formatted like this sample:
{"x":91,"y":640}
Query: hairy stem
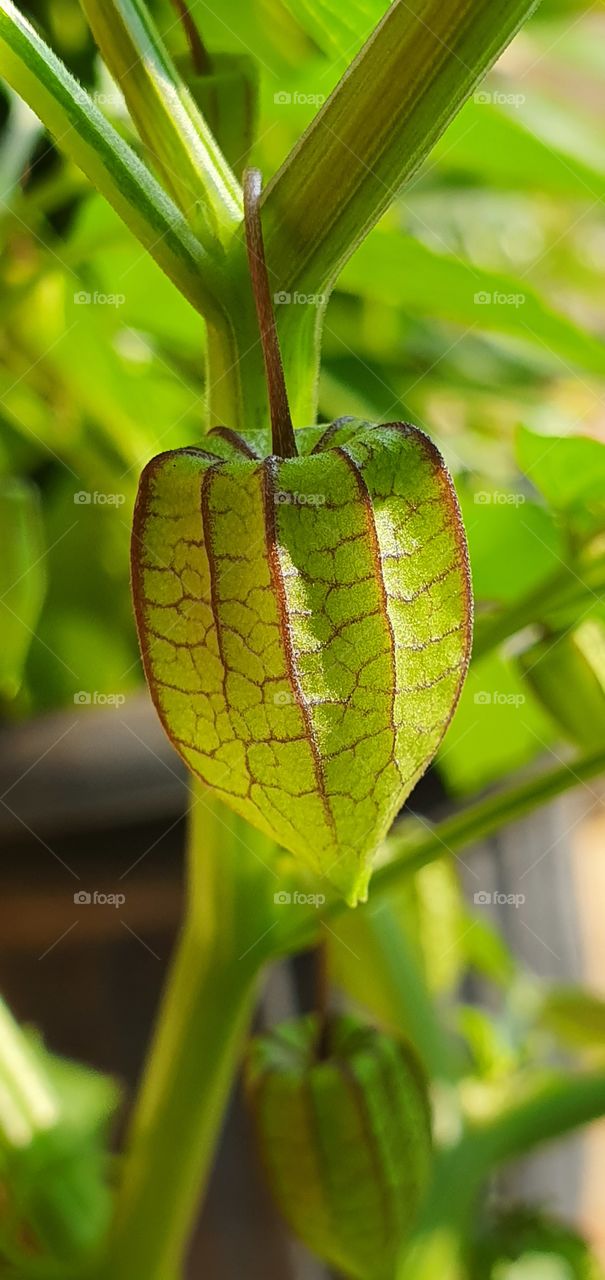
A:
{"x":284,"y":444}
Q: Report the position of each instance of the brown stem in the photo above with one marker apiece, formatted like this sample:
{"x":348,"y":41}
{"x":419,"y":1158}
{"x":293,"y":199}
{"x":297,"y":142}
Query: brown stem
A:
{"x":200,"y":57}
{"x":284,"y":442}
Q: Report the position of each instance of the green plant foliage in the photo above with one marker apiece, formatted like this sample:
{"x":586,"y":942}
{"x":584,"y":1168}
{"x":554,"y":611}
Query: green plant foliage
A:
{"x":22,"y":578}
{"x":525,"y":1244}
{"x":344,"y":1137}
{"x":305,"y":626}
{"x":54,"y":1117}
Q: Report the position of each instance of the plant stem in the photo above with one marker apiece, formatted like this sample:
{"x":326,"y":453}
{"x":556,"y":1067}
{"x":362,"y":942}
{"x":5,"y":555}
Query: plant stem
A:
{"x":413,"y":847}
{"x":284,"y":444}
{"x":203,"y":1018}
{"x":549,"y":1113}
{"x":200,"y":58}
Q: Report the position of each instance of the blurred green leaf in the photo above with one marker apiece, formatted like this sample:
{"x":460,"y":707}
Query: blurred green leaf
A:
{"x":496,"y":148}
{"x":498,"y":726}
{"x":54,"y":1117}
{"x":514,"y":544}
{"x":576,"y":1016}
{"x":22,"y":578}
{"x":570,"y":472}
{"x":567,"y":674}
{"x":397,"y":269}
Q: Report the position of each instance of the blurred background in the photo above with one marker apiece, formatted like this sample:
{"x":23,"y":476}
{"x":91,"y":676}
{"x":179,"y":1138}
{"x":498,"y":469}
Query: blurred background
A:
{"x":475,"y":310}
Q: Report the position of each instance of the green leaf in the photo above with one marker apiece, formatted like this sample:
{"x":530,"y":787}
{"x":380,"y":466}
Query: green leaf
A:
{"x":397,"y":269}
{"x":86,"y":136}
{"x":22,"y":578}
{"x":567,"y":674}
{"x":498,"y":727}
{"x":485,"y":143}
{"x":306,"y":630}
{"x":376,"y":129}
{"x":54,"y":1117}
{"x":177,"y":138}
{"x":514,"y":544}
{"x":576,"y":1016}
{"x":569,"y":471}
{"x":335,"y":29}
{"x":367,"y":1101}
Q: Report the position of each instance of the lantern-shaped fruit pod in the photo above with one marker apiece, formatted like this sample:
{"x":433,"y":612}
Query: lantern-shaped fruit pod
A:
{"x":304,"y":611}
{"x":345,"y":1138}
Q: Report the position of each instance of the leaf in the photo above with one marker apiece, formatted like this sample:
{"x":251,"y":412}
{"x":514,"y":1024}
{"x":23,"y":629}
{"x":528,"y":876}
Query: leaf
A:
{"x":569,"y":471}
{"x":54,"y":1117}
{"x":375,"y":130}
{"x":484,"y":142}
{"x":22,"y":578}
{"x":574,"y":1015}
{"x":514,"y":544}
{"x":367,"y":1100}
{"x":87,"y":137}
{"x":402,"y":272}
{"x":498,"y":727}
{"x":567,"y":674}
{"x":337,"y":30}
{"x":305,"y":627}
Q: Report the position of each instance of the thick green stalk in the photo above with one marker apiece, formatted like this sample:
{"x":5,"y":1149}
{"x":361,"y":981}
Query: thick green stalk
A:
{"x":179,"y":143}
{"x":203,"y":1019}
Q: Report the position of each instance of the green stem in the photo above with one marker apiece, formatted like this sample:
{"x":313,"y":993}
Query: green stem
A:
{"x":413,"y":847}
{"x":568,"y":588}
{"x":203,"y":1019}
{"x":551,"y":1112}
